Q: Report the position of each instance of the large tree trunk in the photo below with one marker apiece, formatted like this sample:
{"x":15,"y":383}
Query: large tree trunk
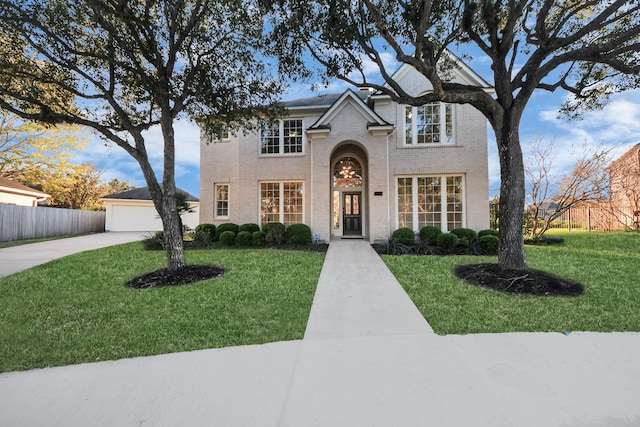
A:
{"x":172,"y":233}
{"x":512,"y":195}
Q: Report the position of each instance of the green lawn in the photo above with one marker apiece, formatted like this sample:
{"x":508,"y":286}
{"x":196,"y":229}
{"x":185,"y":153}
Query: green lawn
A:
{"x":77,"y":309}
{"x":606,"y":264}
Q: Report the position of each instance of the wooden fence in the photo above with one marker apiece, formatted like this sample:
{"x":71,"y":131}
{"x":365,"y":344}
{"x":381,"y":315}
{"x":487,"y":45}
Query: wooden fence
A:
{"x":25,"y":222}
{"x":588,"y":218}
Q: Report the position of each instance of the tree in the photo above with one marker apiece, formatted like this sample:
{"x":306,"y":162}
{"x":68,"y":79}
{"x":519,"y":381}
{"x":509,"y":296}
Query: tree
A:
{"x":29,"y":147}
{"x":588,"y":48}
{"x":131,"y":65}
{"x":587,"y":181}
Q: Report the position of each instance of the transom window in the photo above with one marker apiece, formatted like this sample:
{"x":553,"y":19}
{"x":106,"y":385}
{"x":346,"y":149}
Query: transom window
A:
{"x":429,"y":124}
{"x":347,"y":173}
{"x":282,"y":137}
{"x":282,"y":202}
{"x":222,"y":200}
{"x":430,"y":200}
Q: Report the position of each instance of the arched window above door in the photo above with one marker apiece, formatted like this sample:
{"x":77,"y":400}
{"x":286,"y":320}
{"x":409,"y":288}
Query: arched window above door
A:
{"x":347,"y":173}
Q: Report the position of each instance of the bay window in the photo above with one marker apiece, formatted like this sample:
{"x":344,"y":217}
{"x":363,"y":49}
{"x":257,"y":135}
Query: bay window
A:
{"x":430,"y":200}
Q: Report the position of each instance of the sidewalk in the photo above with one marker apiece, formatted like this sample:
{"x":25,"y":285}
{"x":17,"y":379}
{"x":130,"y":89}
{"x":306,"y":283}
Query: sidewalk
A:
{"x":22,"y":257}
{"x":367,"y":359}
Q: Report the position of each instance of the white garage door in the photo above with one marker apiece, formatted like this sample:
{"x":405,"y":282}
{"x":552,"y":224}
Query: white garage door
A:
{"x":135,"y":218}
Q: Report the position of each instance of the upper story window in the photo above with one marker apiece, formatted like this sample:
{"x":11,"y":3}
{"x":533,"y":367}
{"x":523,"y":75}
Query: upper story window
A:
{"x":282,"y":137}
{"x":429,"y":124}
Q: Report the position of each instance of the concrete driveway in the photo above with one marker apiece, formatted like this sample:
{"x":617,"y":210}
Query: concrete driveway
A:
{"x":18,"y":258}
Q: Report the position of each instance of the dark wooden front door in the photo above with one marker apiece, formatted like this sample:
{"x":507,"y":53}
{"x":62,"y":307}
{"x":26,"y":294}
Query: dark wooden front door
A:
{"x":352,"y":213}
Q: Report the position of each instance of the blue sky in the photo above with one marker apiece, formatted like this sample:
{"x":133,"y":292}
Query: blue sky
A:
{"x":617,"y":126}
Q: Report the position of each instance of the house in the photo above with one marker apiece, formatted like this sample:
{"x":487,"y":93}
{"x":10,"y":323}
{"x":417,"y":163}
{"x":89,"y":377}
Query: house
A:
{"x":624,"y":185}
{"x":133,"y":210}
{"x":14,"y":193}
{"x":355,"y":164}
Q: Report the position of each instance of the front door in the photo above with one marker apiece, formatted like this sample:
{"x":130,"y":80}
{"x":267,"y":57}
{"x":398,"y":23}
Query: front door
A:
{"x":352,"y":214}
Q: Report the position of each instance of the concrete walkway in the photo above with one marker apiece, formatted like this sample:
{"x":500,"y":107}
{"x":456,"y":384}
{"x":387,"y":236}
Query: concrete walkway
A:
{"x":18,"y":258}
{"x":367,"y":359}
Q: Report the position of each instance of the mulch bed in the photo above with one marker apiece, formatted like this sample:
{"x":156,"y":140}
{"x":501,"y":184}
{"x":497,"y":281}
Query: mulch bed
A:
{"x":184,"y":276}
{"x":522,"y":282}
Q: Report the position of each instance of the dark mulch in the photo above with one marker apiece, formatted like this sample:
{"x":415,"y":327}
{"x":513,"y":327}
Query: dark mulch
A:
{"x":187,"y":275}
{"x":523,"y":282}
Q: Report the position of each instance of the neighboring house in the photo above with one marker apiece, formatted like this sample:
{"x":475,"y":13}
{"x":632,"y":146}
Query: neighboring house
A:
{"x":14,"y":193}
{"x":133,"y":210}
{"x":624,"y":184}
{"x":355,"y":164}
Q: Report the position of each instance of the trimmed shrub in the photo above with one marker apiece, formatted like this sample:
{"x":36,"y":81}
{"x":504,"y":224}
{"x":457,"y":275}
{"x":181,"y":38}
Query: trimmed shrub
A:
{"x":251,"y":228}
{"x":274,"y":233}
{"x":429,"y":235}
{"x":258,"y":238}
{"x":489,"y":244}
{"x":227,"y":226}
{"x":154,"y":242}
{"x":488,"y":232}
{"x":227,"y":238}
{"x":447,"y":241}
{"x":404,"y":236}
{"x":206,"y":228}
{"x":465,"y":234}
{"x":243,"y":238}
{"x":299,"y":234}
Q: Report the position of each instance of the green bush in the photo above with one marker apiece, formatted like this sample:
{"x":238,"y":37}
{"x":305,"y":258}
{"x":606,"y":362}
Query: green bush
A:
{"x":154,"y":242}
{"x":404,"y":236}
{"x":488,"y":232}
{"x":489,"y":244}
{"x":258,"y":238}
{"x":203,"y":239}
{"x":251,"y":228}
{"x":447,"y":241}
{"x":299,"y":234}
{"x":275,"y":233}
{"x":243,"y":238}
{"x":206,"y":228}
{"x":227,"y":226}
{"x":429,"y":235}
{"x":467,"y":235}
{"x":227,"y":238}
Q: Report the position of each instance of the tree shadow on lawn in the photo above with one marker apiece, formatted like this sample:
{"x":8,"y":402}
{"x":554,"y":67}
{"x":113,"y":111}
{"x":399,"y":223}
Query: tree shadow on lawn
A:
{"x":519,"y":282}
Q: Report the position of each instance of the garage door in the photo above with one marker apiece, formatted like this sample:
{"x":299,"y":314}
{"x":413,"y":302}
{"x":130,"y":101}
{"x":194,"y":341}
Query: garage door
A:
{"x":135,"y":218}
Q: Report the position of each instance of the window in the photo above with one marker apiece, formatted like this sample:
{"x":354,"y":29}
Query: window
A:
{"x":429,"y":124}
{"x":282,"y":202}
{"x":222,"y":200}
{"x":282,"y":137}
{"x":431,"y":200}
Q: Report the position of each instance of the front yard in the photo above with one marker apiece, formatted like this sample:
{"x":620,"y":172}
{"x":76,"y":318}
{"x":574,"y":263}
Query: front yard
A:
{"x":606,"y":264}
{"x":77,"y":309}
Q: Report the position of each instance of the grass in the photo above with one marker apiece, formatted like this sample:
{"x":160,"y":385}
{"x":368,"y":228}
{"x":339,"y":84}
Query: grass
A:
{"x":606,"y":264}
{"x":77,"y":309}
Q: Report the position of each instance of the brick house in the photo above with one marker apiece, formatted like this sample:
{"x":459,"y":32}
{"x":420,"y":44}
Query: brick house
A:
{"x":355,"y":164}
{"x":624,"y":185}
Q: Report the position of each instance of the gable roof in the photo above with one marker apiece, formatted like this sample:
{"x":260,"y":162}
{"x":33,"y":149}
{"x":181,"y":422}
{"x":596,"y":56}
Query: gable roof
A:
{"x":9,"y":186}
{"x":350,"y":97}
{"x":320,"y":101}
{"x":463,"y":71}
{"x":142,"y":193}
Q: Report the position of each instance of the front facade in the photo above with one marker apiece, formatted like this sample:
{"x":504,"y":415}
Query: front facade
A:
{"x":354,"y":164}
